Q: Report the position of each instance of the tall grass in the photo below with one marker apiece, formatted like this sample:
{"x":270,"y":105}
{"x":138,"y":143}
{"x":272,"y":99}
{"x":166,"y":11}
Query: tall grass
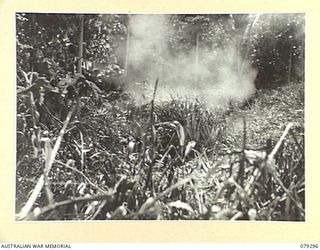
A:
{"x":168,"y":160}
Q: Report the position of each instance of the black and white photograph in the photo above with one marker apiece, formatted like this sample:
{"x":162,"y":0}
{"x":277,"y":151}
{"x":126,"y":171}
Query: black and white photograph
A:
{"x":160,"y":116}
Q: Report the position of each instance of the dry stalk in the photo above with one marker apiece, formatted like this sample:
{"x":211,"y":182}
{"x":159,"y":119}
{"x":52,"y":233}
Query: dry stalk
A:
{"x":35,"y":194}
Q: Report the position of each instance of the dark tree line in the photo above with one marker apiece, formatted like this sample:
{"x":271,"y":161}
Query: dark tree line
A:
{"x":49,"y":43}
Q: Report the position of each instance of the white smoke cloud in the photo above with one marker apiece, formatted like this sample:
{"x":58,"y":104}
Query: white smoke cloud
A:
{"x":214,"y":78}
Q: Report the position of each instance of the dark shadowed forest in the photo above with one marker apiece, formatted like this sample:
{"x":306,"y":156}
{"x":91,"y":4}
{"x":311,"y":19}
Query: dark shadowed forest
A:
{"x":160,"y":117}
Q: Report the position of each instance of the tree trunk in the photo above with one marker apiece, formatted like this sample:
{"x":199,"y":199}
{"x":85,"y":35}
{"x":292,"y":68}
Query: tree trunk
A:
{"x":80,"y":45}
{"x":290,"y":66}
{"x":197,"y":59}
{"x":126,"y":60}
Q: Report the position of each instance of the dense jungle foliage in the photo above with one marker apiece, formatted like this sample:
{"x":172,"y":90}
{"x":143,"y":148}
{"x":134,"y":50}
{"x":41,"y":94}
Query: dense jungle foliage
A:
{"x":97,"y":139}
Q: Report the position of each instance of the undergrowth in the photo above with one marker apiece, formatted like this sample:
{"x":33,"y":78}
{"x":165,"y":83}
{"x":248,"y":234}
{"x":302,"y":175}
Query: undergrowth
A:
{"x":173,"y":160}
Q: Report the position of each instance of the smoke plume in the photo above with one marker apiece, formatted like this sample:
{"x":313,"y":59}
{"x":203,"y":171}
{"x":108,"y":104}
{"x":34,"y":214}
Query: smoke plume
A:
{"x":215,"y":77}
